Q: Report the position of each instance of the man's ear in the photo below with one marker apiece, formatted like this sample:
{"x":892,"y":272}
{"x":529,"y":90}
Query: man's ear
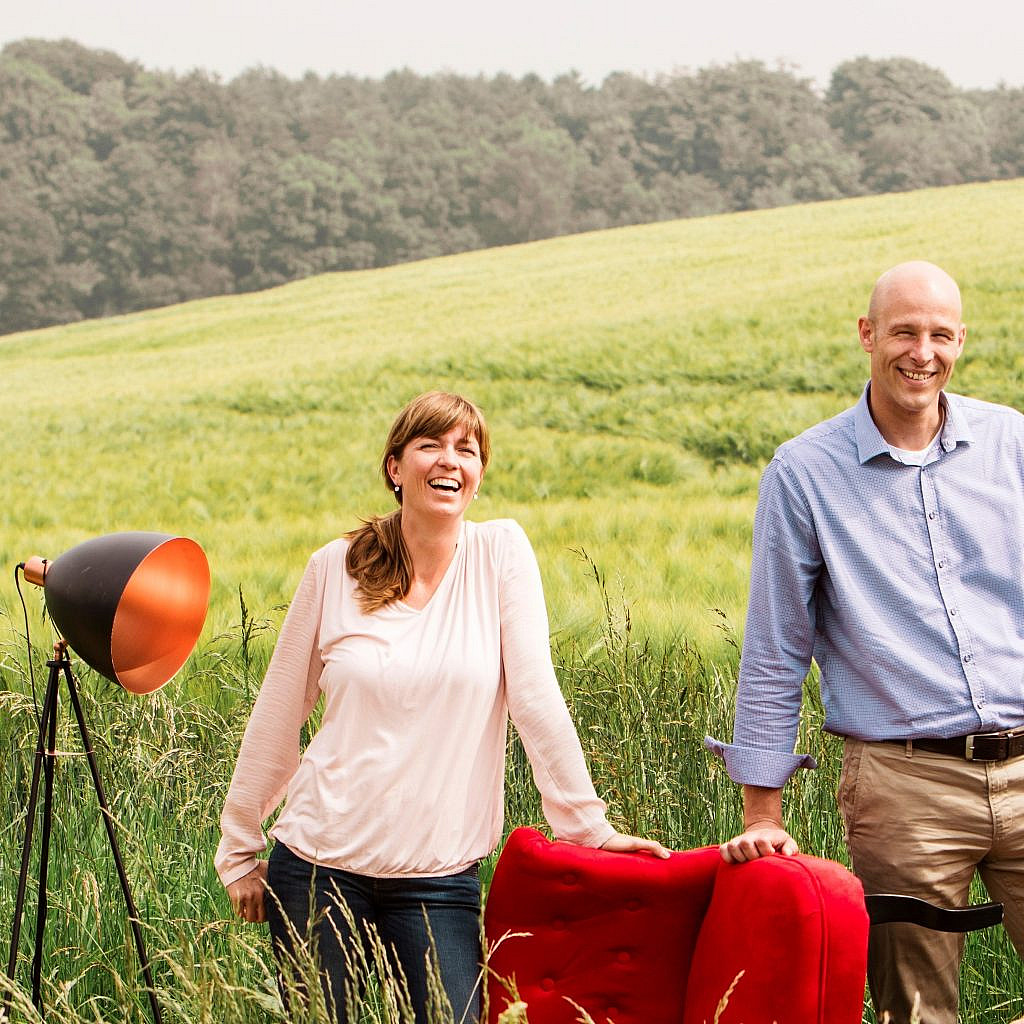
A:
{"x":866,"y":333}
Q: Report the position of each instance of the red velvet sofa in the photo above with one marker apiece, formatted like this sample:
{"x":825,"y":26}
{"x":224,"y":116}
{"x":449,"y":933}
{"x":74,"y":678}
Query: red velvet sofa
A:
{"x":633,"y":939}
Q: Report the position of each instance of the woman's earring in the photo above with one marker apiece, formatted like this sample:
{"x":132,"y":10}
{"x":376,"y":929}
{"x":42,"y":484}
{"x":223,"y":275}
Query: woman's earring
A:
{"x":476,"y":495}
{"x":398,"y":489}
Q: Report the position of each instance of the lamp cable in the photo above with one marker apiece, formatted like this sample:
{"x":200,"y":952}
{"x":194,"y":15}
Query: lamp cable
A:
{"x":28,"y":639}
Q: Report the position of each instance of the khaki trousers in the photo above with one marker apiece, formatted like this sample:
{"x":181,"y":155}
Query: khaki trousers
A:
{"x":921,"y":824}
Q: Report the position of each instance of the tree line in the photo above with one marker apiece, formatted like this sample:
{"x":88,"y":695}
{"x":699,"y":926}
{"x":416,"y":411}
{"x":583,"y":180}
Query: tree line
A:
{"x":123,"y":188}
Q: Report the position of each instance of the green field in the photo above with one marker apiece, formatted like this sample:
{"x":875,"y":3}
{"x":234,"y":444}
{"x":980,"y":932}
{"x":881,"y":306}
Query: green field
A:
{"x":636,"y":382}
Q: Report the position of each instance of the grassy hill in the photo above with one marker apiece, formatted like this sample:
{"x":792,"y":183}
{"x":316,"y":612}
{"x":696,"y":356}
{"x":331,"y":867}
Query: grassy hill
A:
{"x":636,"y":380}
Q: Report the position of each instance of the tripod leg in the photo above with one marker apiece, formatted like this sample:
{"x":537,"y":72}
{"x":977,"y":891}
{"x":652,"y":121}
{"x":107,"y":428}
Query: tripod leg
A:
{"x":49,"y":713}
{"x":49,"y":766}
{"x":133,"y":914}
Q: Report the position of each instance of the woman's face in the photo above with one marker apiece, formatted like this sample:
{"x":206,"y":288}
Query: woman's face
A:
{"x":438,"y":475}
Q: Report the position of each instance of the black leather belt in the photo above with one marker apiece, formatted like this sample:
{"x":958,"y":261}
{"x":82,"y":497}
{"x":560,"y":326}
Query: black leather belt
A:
{"x":978,"y":746}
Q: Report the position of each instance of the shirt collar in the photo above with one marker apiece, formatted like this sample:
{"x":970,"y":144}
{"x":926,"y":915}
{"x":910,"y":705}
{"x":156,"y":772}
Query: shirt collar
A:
{"x":869,"y":439}
{"x":871,"y":443}
{"x":956,"y":427}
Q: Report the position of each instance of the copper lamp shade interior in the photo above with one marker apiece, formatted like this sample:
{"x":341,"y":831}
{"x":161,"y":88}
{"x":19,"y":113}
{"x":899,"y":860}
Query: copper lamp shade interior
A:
{"x":131,"y":605}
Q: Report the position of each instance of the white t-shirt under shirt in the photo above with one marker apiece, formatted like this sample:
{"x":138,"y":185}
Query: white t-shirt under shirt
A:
{"x":405,"y":775}
{"x":915,"y":457}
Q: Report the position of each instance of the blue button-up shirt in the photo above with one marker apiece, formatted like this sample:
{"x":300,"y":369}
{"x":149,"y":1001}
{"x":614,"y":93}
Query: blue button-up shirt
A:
{"x":905,"y":584}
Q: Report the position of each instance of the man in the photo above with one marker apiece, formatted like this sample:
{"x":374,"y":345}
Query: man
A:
{"x":889,"y":546}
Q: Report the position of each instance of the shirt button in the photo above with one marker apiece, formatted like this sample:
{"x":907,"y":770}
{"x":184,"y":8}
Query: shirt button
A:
{"x":952,"y":611}
{"x":931,"y":515}
{"x":968,"y":658}
{"x":980,"y":704}
{"x":942,"y":565}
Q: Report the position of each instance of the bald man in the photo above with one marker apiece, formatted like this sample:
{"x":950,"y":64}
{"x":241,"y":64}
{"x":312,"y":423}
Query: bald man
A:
{"x":889,"y":547}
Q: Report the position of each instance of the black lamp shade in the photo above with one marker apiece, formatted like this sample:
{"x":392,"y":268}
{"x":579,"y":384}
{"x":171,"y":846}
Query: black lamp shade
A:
{"x":131,"y":605}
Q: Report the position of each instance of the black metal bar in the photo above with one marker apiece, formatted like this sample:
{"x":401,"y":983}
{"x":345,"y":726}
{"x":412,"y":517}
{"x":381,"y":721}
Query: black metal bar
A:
{"x":49,"y":709}
{"x":108,"y":821}
{"x":49,"y":767}
{"x":889,"y":908}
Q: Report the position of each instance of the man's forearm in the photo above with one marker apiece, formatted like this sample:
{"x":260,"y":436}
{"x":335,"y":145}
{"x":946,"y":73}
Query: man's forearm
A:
{"x":763,"y":832}
{"x":762,"y":806}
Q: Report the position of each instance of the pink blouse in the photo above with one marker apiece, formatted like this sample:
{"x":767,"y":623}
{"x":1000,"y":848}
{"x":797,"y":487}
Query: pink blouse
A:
{"x":405,"y":775}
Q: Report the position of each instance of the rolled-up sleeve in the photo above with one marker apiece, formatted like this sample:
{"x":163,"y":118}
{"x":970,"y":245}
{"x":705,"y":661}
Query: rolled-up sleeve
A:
{"x":778,"y":643}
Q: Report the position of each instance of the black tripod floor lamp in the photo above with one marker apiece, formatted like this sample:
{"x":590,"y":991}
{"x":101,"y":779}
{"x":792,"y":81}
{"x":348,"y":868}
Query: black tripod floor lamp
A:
{"x":131,"y":605}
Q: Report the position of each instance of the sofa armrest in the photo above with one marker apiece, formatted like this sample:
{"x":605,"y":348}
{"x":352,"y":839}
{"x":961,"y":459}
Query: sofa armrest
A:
{"x":785,"y":939}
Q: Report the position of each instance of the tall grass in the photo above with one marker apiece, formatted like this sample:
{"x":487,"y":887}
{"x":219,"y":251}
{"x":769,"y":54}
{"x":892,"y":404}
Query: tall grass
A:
{"x":641,"y":703}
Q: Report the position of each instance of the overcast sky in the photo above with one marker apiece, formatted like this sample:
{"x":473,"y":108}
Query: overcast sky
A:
{"x":977,"y":44}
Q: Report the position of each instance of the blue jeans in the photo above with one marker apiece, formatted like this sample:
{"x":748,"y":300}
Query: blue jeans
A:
{"x":398,"y":909}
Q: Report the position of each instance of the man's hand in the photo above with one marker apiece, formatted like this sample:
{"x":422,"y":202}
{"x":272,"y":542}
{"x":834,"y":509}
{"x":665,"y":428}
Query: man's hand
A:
{"x":247,"y":894}
{"x":620,"y":843}
{"x":763,"y":832}
{"x":760,"y":839}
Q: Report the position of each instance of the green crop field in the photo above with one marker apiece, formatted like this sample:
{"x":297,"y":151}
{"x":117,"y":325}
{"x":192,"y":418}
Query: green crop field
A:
{"x":636,"y":382}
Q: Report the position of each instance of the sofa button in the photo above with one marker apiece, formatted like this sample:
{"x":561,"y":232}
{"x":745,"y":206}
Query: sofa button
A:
{"x":547,"y":984}
{"x":633,"y":904}
{"x":569,"y":878}
{"x":623,"y":957}
{"x":558,"y":925}
{"x":613,"y":1011}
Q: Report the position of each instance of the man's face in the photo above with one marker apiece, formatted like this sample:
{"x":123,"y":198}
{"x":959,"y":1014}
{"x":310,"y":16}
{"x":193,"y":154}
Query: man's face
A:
{"x":914,"y":339}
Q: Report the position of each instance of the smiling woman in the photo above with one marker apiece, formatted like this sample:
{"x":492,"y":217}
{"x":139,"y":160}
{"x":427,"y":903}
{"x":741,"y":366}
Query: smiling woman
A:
{"x":434,"y":460}
{"x":424,"y":634}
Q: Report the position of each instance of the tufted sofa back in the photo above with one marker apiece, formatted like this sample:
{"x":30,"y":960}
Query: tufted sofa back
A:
{"x":632,"y":939}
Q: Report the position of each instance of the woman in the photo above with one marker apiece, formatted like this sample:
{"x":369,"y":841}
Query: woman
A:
{"x":423,"y":632}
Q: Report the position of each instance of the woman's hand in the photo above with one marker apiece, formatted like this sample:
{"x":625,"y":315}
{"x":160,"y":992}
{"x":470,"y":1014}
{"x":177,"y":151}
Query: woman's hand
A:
{"x":247,"y":894}
{"x":620,"y":843}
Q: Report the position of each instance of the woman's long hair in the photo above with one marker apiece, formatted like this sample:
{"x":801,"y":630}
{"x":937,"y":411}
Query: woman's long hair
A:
{"x":377,"y":558}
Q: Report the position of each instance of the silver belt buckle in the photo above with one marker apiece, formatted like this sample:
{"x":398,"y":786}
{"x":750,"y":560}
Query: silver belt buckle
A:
{"x":969,"y":751}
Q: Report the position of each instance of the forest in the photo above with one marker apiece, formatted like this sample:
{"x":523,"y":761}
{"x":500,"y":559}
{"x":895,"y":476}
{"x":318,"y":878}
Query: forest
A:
{"x":124,"y":188}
